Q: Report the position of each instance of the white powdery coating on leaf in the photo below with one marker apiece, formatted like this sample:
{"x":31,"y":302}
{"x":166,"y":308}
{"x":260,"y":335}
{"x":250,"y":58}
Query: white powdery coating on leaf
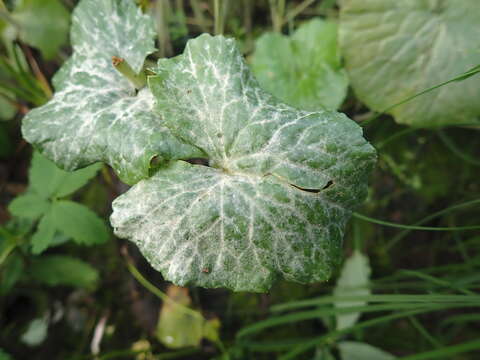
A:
{"x":243,"y":222}
{"x":96,"y":114}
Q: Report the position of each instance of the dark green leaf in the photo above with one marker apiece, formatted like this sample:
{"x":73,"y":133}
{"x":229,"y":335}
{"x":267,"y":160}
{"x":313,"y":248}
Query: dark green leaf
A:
{"x":55,"y":270}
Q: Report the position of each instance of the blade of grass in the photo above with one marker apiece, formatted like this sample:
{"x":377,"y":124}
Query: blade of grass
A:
{"x":448,"y":210}
{"x":456,"y":150}
{"x":445,"y":352}
{"x":324,"y":339}
{"x":414,"y":227}
{"x":329,"y":311}
{"x":402,"y":298}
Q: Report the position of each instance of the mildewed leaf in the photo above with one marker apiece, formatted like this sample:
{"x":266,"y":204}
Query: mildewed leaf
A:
{"x":243,"y":221}
{"x":303,"y":69}
{"x":96,"y":114}
{"x":395,"y":49}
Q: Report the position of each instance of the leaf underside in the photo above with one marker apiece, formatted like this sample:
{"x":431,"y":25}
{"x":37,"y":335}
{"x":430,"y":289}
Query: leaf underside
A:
{"x":278,"y":192}
{"x":396,"y":49}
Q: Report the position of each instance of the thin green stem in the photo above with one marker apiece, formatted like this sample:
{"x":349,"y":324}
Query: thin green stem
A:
{"x":437,"y":281}
{"x":413,"y":227}
{"x":199,"y":16}
{"x":460,"y":77}
{"x":219,"y":14}
{"x":456,"y":150}
{"x":297,"y":10}
{"x":162,"y":10}
{"x":137,"y":80}
{"x":156,"y":291}
{"x":424,"y":332}
{"x":404,"y":233}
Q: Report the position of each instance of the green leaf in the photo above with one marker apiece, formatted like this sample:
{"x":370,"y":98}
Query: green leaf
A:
{"x":29,"y":205}
{"x":36,"y":332}
{"x":177,"y":328}
{"x":45,"y":233}
{"x":42,"y":24}
{"x":56,"y":270}
{"x":96,"y":114}
{"x":353,"y":281}
{"x":303,"y":69}
{"x":395,"y":49}
{"x":244,"y":221}
{"x":352,"y":350}
{"x":48,"y":180}
{"x":79,"y":222}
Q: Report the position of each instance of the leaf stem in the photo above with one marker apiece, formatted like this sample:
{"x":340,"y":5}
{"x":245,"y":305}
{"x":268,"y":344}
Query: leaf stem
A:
{"x":154,"y":290}
{"x":138,"y":80}
{"x":219,"y":10}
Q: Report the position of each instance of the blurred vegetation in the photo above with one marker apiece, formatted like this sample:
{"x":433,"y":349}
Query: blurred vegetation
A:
{"x":70,"y":290}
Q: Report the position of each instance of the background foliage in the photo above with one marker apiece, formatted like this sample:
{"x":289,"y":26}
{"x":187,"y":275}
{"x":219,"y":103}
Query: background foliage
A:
{"x":70,"y":290}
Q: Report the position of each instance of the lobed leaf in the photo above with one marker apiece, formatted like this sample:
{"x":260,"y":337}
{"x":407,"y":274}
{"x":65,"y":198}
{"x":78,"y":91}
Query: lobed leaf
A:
{"x":396,"y":49}
{"x":278,"y":192}
{"x":96,"y":114}
{"x":303,"y":69}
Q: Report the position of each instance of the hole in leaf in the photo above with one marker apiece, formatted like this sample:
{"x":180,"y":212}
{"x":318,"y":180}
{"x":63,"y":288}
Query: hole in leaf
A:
{"x":315,"y":191}
{"x":198,"y":161}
